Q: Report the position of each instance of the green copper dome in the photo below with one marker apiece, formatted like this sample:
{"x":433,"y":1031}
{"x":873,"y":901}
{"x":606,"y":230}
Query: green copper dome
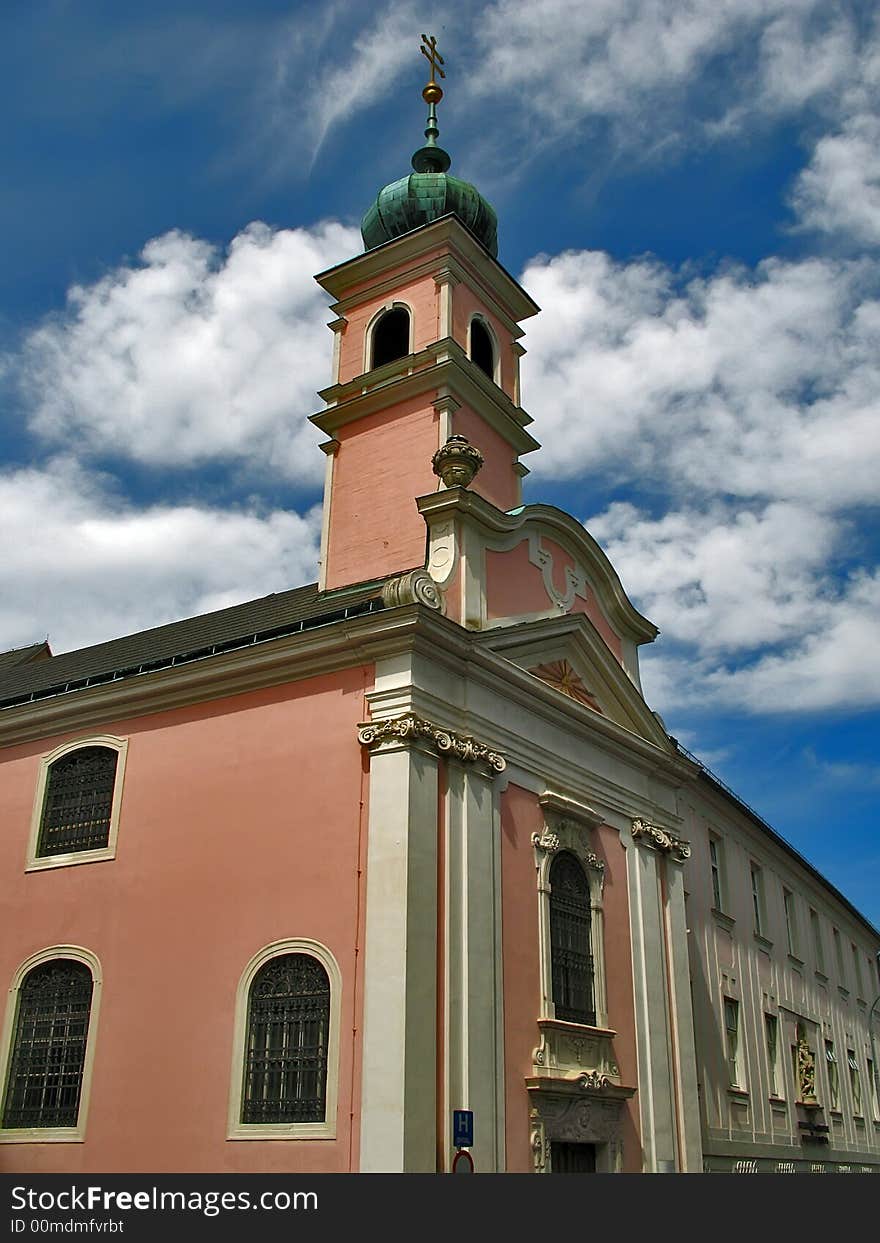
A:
{"x":422,"y":197}
{"x":427,"y":194}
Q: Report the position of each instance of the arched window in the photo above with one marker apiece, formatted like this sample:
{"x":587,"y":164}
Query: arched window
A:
{"x":286,"y":1051}
{"x":47,"y":1053}
{"x":570,"y":947}
{"x":482,"y":348}
{"x":390,"y":337}
{"x":78,"y":802}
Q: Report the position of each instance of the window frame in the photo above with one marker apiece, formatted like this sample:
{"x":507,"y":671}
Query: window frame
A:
{"x":791,"y":925}
{"x":50,"y":1134}
{"x":771,"y":1038}
{"x":238,"y":1130}
{"x":495,"y":377}
{"x":395,"y":304}
{"x":818,"y":944}
{"x":716,"y":871}
{"x":855,"y":1084}
{"x":833,"y":1073}
{"x":733,"y":1043}
{"x":567,"y":824}
{"x":756,"y":873}
{"x":40,"y":863}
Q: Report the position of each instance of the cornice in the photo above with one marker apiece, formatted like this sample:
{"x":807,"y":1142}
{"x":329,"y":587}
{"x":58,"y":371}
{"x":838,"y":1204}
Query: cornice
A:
{"x":327,"y":649}
{"x":443,"y":365}
{"x":446,"y":505}
{"x":374,"y":265}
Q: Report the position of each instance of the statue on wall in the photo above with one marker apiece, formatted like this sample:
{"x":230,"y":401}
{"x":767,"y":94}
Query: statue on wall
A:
{"x":806,"y":1065}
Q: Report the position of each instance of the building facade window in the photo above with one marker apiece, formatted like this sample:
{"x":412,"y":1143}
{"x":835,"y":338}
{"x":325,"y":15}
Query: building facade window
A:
{"x":715,"y":850}
{"x":570,"y":879}
{"x":731,"y":1028}
{"x":48,"y":1046}
{"x":757,"y":899}
{"x":389,"y":337}
{"x":482,"y":347}
{"x":872,"y":1091}
{"x":838,"y":956}
{"x":570,"y":941}
{"x":771,"y":1029}
{"x":790,"y":921}
{"x":857,"y":972}
{"x":818,"y":948}
{"x":833,"y":1075}
{"x":855,"y":1083}
{"x":285,"y":1063}
{"x":77,"y":803}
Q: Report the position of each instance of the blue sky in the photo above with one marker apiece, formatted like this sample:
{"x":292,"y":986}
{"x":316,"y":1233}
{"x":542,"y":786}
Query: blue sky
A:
{"x":690,"y":190}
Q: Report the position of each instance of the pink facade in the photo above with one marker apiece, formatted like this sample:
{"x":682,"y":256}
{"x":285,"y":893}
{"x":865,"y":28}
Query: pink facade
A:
{"x":227,"y":843}
{"x":375,"y":528}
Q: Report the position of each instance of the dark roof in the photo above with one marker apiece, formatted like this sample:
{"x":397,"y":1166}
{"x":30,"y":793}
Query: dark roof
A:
{"x":21,"y":656}
{"x":180,"y":642}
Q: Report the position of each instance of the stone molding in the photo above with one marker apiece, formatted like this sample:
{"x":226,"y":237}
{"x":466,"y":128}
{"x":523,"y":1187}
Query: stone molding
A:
{"x":411,"y":728}
{"x":666,"y":842}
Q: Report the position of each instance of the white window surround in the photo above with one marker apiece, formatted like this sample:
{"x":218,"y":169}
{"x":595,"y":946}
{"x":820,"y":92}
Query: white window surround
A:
{"x":56,"y":1134}
{"x":236,"y":1129}
{"x":393,"y":304}
{"x":493,"y":338}
{"x":567,"y":824}
{"x":36,"y":863}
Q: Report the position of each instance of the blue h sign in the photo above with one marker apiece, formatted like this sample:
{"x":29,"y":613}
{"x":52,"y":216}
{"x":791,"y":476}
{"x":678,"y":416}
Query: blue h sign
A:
{"x":463,"y":1128}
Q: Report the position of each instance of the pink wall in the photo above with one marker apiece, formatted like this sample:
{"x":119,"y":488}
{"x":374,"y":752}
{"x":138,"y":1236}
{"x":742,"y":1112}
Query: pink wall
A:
{"x":590,"y":606}
{"x":228,"y":841}
{"x":466,"y":303}
{"x":497,"y":481}
{"x":419,"y":294}
{"x":383,"y":463}
{"x":521,"y":816}
{"x":515,"y":588}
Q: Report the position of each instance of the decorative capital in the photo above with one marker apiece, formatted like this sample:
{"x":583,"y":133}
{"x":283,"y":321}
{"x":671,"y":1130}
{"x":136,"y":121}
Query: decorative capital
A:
{"x":546,"y":841}
{"x":661,"y":839}
{"x":594,"y":1081}
{"x":411,"y":728}
{"x":416,"y":587}
{"x":457,"y":462}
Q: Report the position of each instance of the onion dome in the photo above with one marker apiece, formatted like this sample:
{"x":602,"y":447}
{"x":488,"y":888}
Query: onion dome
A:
{"x":429,"y":192}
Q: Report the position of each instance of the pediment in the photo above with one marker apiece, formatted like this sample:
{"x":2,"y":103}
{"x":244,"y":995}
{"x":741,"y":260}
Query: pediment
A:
{"x":568,"y":655}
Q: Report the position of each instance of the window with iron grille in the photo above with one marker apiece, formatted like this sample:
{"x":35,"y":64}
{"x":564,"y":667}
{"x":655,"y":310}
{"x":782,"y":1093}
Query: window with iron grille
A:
{"x":78,"y":802}
{"x":285,"y":1070}
{"x":49,"y":1046}
{"x":570,"y":946}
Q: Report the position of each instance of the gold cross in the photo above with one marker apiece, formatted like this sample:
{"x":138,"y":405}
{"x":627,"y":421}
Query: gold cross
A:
{"x":430,"y":51}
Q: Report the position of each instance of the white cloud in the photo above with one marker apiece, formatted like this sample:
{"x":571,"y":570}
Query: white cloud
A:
{"x":725,"y":580}
{"x":191,"y":355}
{"x":87,"y":566}
{"x":757,"y":383}
{"x":839,"y":191}
{"x":639,"y":61}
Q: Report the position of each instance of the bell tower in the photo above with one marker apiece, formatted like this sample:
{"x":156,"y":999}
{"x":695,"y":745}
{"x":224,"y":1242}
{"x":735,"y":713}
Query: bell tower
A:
{"x":427,"y":333}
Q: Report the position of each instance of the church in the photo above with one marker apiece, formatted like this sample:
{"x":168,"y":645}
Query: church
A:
{"x":286,"y":884}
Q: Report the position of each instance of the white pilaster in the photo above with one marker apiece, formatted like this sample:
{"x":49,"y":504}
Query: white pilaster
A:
{"x":398,"y":1098}
{"x":473,"y":1002}
{"x":656,"y":1104}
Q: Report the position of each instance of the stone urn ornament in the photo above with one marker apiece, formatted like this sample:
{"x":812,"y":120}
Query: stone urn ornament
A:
{"x":457,"y":462}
